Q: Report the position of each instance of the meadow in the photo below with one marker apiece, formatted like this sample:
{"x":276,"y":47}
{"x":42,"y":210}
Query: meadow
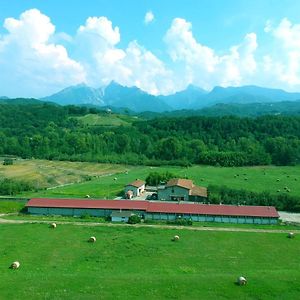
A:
{"x":46,"y":173}
{"x":107,"y":120}
{"x":135,"y":263}
{"x":257,"y":179}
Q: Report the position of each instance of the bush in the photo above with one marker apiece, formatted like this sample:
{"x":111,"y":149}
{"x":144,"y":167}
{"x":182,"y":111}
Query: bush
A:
{"x":8,"y":162}
{"x":134,"y":219}
{"x":85,"y":216}
{"x":181,"y":222}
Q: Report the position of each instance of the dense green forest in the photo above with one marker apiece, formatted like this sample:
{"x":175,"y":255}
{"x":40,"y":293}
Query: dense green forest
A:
{"x":43,"y":130}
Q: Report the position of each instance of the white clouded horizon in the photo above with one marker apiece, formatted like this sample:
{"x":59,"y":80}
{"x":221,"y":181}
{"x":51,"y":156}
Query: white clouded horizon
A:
{"x":35,"y":60}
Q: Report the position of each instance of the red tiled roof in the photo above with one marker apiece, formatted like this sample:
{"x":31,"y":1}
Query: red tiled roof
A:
{"x":220,"y":210}
{"x":159,"y":207}
{"x":198,"y":191}
{"x":78,"y":203}
{"x":185,"y":183}
{"x":137,"y":183}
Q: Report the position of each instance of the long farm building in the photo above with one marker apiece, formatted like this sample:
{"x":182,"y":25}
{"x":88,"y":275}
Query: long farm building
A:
{"x":156,"y":210}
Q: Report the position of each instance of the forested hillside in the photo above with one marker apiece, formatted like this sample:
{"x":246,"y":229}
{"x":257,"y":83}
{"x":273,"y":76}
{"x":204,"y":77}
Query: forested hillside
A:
{"x":53,"y":132}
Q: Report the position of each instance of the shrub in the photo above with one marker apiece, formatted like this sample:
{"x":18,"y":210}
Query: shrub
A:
{"x":8,"y":162}
{"x":181,"y":222}
{"x":85,"y":216}
{"x":134,"y":219}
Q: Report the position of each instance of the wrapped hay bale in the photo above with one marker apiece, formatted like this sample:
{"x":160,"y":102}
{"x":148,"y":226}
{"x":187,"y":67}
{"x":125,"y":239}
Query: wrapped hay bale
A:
{"x":53,"y":225}
{"x":241,"y":280}
{"x":15,"y":265}
{"x":92,"y":239}
{"x":175,"y":238}
{"x":291,"y":235}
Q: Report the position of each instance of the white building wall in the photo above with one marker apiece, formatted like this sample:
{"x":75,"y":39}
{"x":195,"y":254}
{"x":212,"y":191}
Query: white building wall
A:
{"x":136,"y":191}
{"x":119,"y":219}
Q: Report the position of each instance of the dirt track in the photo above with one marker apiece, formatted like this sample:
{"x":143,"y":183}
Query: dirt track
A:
{"x":228,"y":229}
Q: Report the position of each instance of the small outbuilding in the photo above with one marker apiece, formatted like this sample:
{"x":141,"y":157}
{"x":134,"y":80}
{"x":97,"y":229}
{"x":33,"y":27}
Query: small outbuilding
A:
{"x":137,"y":187}
{"x":121,"y":216}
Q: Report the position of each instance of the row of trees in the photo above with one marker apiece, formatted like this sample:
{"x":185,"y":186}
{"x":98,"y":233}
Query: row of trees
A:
{"x":12,"y":187}
{"x":225,"y":195}
{"x":54,"y":132}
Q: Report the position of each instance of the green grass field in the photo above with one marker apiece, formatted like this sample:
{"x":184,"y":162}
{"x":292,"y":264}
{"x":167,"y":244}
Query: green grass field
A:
{"x":143,"y":263}
{"x":107,"y":120}
{"x":267,"y":178}
{"x":11,"y":206}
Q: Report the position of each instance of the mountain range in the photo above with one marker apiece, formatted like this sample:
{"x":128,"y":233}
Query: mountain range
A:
{"x":132,"y":98}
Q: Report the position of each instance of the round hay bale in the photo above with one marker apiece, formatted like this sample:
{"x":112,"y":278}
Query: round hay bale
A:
{"x":92,"y":239}
{"x":87,"y":196}
{"x":175,"y":238}
{"x":278,"y":191}
{"x":277,"y":179}
{"x":291,"y":235}
{"x":15,"y":265}
{"x":241,"y":280}
{"x":53,"y":225}
{"x":115,"y":178}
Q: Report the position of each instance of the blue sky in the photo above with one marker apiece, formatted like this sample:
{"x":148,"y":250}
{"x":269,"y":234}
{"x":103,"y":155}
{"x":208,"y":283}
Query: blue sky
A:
{"x":48,"y":45}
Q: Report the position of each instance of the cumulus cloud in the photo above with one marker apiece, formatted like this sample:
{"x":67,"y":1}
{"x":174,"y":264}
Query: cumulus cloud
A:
{"x":202,"y":65}
{"x":30,"y":64}
{"x":34,"y":59}
{"x":97,"y":49}
{"x":283,"y":65}
{"x":149,"y":17}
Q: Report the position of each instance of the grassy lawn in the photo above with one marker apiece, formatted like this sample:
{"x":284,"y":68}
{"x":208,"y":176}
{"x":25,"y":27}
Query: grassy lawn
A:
{"x":11,"y":206}
{"x":135,"y":263}
{"x":268,"y":178}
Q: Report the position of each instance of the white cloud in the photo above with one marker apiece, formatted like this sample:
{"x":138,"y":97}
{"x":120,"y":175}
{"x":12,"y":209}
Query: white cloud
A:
{"x":149,"y":17}
{"x":282,"y":65}
{"x":34,"y":59}
{"x":202,"y":65}
{"x":97,"y":49}
{"x":35,"y":66}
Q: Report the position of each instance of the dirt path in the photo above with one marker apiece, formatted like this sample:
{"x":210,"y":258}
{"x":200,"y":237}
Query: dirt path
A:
{"x":228,"y":229}
{"x":289,"y":217}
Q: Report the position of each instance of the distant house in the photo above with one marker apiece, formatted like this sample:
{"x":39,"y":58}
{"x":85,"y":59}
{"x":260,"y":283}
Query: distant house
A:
{"x":137,"y":187}
{"x":121,"y":216}
{"x":182,"y":190}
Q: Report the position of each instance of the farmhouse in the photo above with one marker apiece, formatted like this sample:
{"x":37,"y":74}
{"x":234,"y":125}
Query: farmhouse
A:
{"x":135,"y":188}
{"x":181,"y":190}
{"x":156,"y":210}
